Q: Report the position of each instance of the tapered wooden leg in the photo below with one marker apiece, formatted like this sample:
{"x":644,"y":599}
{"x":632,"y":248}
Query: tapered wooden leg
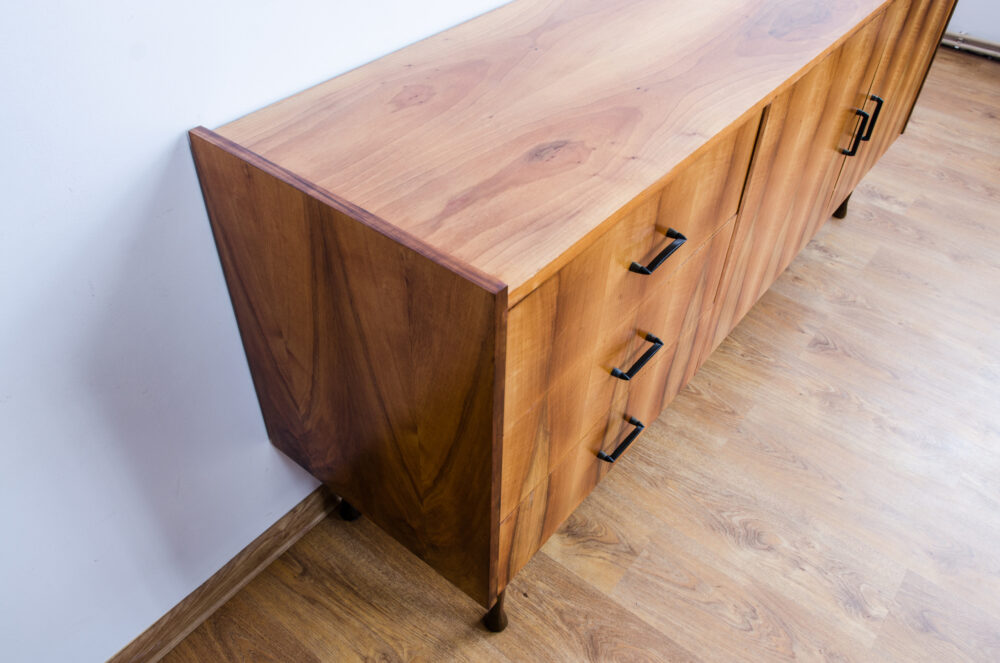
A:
{"x":348,"y":512}
{"x":842,"y":210}
{"x":496,"y":619}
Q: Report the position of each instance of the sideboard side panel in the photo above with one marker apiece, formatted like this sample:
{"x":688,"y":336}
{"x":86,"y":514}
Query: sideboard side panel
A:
{"x":375,"y":366}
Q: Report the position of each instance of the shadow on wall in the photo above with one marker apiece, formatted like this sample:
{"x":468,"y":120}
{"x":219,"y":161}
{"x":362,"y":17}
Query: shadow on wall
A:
{"x":167,"y":375}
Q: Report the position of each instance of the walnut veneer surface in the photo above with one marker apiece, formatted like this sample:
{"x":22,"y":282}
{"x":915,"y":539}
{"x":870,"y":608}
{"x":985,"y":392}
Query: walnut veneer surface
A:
{"x":505,"y":141}
{"x":826,"y":488}
{"x":445,"y":262}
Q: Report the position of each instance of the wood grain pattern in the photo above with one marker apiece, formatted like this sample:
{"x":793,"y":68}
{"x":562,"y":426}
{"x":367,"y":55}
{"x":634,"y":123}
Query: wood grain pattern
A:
{"x":539,"y":514}
{"x":849,"y":510}
{"x":795,"y":170}
{"x":392,"y":405}
{"x":562,"y":338}
{"x":682,"y":313}
{"x":910,"y":30}
{"x":492,"y":141}
{"x":939,"y":13}
{"x":568,"y":334}
{"x":928,"y":625}
{"x":539,"y":440}
{"x":687,"y":309}
{"x":681,"y":310}
{"x":170,"y":629}
{"x":392,"y":359}
{"x":422,"y":617}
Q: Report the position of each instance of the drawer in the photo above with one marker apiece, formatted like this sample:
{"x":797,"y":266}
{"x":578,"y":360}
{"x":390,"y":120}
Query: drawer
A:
{"x":544,"y":508}
{"x":680,"y":314}
{"x":570,"y":333}
{"x":526,"y":526}
{"x":536,"y":440}
{"x":539,"y":514}
{"x":695,"y":200}
{"x":564,"y":419}
{"x":671,"y":315}
{"x":569,"y":318}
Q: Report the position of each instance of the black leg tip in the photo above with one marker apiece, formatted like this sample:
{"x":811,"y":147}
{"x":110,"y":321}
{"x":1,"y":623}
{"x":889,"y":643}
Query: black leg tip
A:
{"x":496,"y":619}
{"x":348,"y":512}
{"x":493,"y":623}
{"x":841,"y":211}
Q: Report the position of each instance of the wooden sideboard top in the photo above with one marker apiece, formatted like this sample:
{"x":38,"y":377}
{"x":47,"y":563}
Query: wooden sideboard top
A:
{"x":505,"y":141}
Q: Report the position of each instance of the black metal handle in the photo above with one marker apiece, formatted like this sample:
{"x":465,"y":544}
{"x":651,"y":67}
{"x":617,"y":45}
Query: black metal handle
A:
{"x":878,"y":109}
{"x":639,"y":426}
{"x":641,"y":361}
{"x":679,"y":240}
{"x":857,"y":137}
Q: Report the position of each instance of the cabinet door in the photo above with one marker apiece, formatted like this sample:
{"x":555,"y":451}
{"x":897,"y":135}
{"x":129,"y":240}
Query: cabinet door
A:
{"x":910,"y":32}
{"x":911,"y":57}
{"x":799,"y":157}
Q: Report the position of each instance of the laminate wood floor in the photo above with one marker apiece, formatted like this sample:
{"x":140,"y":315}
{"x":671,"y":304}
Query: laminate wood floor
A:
{"x":826,"y":489}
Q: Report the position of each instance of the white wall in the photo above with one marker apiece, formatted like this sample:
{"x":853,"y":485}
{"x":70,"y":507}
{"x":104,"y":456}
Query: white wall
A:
{"x":979,"y":19}
{"x":133,"y":458}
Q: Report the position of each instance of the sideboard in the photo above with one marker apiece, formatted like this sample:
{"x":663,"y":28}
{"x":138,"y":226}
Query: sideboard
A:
{"x":468,"y":274}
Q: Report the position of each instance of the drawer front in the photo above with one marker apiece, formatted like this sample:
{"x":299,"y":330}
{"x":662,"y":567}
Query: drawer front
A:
{"x":565,"y":337}
{"x":680,"y":314}
{"x":570,"y":319}
{"x":545,"y":507}
{"x":573,"y":315}
{"x":698,"y":197}
{"x":537,"y":440}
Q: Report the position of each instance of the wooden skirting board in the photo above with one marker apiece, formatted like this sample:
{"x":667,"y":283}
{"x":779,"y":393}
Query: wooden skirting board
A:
{"x":154,"y":643}
{"x":971,"y":44}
